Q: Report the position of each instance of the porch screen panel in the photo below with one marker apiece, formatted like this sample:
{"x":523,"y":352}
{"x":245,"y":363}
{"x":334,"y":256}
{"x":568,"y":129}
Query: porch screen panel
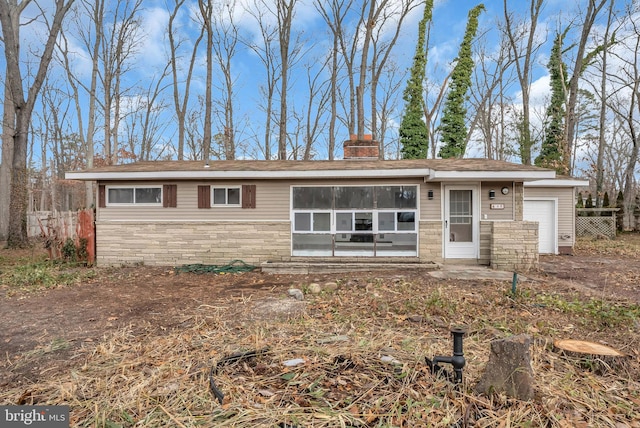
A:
{"x":350,"y":198}
{"x":355,"y":221}
{"x":319,"y":198}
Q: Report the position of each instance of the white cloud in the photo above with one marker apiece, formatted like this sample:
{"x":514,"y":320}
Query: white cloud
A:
{"x":154,"y":26}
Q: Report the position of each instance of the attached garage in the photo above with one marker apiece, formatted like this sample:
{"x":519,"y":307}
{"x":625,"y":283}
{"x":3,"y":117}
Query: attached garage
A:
{"x":545,"y":212}
{"x":552,"y":203}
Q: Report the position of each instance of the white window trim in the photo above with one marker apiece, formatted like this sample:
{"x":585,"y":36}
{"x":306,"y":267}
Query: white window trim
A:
{"x":226,"y":196}
{"x":134,"y":203}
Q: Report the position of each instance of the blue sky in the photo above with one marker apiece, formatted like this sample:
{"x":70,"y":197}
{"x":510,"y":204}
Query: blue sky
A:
{"x":449,"y":21}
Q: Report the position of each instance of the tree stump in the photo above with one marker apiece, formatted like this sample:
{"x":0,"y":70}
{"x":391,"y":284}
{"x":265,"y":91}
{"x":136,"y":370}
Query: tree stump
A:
{"x":509,"y":368}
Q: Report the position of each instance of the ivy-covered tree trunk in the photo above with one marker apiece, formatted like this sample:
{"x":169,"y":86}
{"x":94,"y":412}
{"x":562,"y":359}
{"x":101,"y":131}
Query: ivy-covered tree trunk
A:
{"x":414,"y":135}
{"x":453,"y":127}
{"x":551,"y":152}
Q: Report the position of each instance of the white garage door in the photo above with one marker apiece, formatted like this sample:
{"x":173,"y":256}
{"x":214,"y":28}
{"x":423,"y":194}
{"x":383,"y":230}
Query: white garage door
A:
{"x":544,"y":212}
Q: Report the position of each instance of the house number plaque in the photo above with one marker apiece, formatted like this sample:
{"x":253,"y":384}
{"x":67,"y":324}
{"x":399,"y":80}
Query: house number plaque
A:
{"x":497,"y":206}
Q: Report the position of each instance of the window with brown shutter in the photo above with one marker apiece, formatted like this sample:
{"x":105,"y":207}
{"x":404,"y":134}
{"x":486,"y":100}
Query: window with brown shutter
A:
{"x":248,"y":196}
{"x":204,"y":196}
{"x":170,"y":196}
{"x":102,"y":196}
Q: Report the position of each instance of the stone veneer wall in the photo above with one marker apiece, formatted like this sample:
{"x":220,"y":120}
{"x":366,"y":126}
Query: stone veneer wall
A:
{"x":514,"y":246}
{"x":518,"y":194}
{"x":430,"y":241}
{"x":178,"y":243}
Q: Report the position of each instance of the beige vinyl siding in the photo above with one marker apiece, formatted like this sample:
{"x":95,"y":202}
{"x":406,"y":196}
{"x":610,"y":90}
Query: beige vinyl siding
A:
{"x":431,"y":209}
{"x":272,"y":204}
{"x":507,"y":200}
{"x":566,"y":210}
{"x":272,"y":201}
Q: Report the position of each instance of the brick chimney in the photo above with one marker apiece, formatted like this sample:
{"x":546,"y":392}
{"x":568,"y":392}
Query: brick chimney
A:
{"x":365,"y":149}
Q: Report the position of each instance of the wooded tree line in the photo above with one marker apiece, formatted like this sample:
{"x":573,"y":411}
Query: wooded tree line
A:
{"x":80,"y":89}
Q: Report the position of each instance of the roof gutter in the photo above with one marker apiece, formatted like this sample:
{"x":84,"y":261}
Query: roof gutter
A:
{"x":490,"y":175}
{"x":218,"y":174}
{"x":560,"y":182}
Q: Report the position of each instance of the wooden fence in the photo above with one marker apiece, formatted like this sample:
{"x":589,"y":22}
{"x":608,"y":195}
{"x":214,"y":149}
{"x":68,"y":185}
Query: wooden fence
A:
{"x":64,"y":222}
{"x":56,"y":227}
{"x":596,"y":222}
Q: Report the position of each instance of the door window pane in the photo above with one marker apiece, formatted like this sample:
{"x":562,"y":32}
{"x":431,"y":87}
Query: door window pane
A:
{"x":460,"y":216}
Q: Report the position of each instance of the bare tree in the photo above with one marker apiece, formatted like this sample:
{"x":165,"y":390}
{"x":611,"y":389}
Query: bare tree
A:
{"x":490,"y":84}
{"x":90,"y":33}
{"x":225,"y":42}
{"x":181,"y":102}
{"x":266,"y":51}
{"x":317,"y":99}
{"x":603,"y":111}
{"x":119,"y":45}
{"x":580,"y":62}
{"x":626,"y":103}
{"x":285,"y":14}
{"x":370,"y":22}
{"x":387,"y":110}
{"x":334,"y":12}
{"x":206,"y":10}
{"x":517,"y":33}
{"x":23,"y":106}
{"x":383,"y":43}
{"x":144,"y":124}
{"x":8,"y":125}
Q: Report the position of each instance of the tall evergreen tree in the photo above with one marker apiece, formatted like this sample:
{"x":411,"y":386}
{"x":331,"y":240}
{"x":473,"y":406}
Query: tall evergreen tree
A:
{"x":552,"y":147}
{"x":414,"y":135}
{"x":453,"y":127}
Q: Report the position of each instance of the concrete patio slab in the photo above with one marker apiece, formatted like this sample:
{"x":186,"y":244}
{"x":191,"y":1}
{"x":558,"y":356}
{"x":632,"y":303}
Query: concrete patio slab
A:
{"x":467,"y":272}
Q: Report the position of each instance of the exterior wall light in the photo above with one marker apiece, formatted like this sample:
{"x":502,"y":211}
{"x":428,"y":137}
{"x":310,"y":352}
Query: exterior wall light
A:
{"x":492,"y":194}
{"x":430,"y":194}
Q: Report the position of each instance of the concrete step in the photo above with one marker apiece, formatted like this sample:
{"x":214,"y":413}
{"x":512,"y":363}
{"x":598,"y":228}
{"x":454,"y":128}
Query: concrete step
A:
{"x":338,"y":267}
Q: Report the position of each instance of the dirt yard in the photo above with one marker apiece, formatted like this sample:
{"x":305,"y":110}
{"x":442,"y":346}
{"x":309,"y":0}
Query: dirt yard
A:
{"x":132,"y":323}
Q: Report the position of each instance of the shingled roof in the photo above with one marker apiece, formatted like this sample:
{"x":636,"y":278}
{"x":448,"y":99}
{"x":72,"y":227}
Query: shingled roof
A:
{"x":430,"y":169}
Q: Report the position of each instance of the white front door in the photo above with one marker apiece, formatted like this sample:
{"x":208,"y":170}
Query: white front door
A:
{"x":461,"y":227}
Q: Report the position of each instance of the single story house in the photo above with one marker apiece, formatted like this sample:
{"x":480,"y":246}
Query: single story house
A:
{"x":360,"y":208}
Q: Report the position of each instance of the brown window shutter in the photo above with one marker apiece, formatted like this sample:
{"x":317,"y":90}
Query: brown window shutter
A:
{"x":102,"y":196}
{"x":248,"y":196}
{"x":170,"y":196}
{"x":204,"y":196}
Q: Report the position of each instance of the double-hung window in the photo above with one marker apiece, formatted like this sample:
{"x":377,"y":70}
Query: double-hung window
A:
{"x":134,"y":195}
{"x":226,"y":196}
